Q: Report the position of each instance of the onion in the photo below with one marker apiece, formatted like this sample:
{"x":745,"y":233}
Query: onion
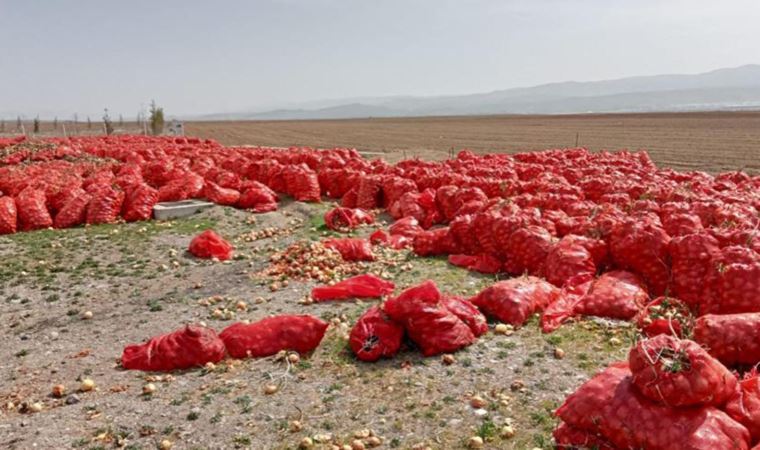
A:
{"x":87,"y":385}
{"x":477,"y":402}
{"x":475,"y":442}
{"x":295,"y":426}
{"x":58,"y":390}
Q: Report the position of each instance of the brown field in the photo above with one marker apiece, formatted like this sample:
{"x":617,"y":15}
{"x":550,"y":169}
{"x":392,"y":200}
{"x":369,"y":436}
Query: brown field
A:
{"x":710,"y":141}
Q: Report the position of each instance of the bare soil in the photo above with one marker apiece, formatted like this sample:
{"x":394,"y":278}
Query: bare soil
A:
{"x":709,"y":141}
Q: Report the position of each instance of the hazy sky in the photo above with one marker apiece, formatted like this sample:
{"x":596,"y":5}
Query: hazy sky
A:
{"x":61,"y":57}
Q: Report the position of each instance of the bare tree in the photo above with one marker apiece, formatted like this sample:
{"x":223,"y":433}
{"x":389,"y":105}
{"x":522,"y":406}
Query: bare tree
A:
{"x":76,"y":118}
{"x":107,"y":122}
{"x":18,"y":123}
{"x":36,"y":128}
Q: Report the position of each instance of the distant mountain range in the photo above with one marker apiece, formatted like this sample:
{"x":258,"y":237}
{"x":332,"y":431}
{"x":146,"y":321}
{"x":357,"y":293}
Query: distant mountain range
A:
{"x":722,"y":89}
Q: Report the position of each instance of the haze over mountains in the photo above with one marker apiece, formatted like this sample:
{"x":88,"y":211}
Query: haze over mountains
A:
{"x":722,"y":89}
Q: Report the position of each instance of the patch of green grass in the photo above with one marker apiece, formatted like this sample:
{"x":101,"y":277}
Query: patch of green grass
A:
{"x":487,"y":430}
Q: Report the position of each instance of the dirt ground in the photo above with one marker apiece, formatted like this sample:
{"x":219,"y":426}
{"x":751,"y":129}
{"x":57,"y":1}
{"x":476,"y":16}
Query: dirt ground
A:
{"x":710,"y":141}
{"x":138,"y":281}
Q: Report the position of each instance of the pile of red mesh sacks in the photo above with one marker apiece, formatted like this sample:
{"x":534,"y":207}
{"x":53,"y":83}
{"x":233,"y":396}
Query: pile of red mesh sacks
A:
{"x":434,"y":322}
{"x":195,"y":345}
{"x":670,"y":394}
{"x":65,"y":182}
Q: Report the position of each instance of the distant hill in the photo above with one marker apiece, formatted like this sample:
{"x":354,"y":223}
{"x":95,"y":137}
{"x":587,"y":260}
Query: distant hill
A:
{"x":722,"y":89}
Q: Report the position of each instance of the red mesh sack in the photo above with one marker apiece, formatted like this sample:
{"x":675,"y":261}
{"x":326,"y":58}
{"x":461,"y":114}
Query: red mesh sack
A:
{"x":446,"y":202}
{"x":642,"y":247}
{"x":395,"y":187}
{"x":433,"y":242}
{"x":744,"y":404}
{"x":479,"y":263}
{"x":188,"y":185}
{"x":32,"y":214}
{"x":513,"y":301}
{"x":465,"y":240}
{"x":209,"y":245}
{"x":615,"y":295}
{"x":679,"y":373}
{"x":349,"y":198}
{"x":482,"y":226}
{"x":610,"y":405}
{"x":681,"y":224}
{"x":407,"y":226}
{"x":734,"y":282}
{"x":105,"y":205}
{"x":340,"y":219}
{"x":351,"y":249}
{"x":568,"y":437}
{"x":219,"y":195}
{"x":57,"y":201}
{"x":464,"y":201}
{"x":732,"y":338}
{"x":73,"y":213}
{"x":427,"y":321}
{"x":369,"y":193}
{"x":379,"y":237}
{"x":259,"y":198}
{"x":691,"y":257}
{"x":191,"y":346}
{"x":665,"y":315}
{"x":566,"y":260}
{"x":375,"y":336}
{"x":8,"y":215}
{"x":299,"y":333}
{"x":467,"y":313}
{"x":302,"y":183}
{"x":564,"y":307}
{"x":360,"y":286}
{"x":397,"y":241}
{"x":139,"y":203}
{"x":527,"y":249}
